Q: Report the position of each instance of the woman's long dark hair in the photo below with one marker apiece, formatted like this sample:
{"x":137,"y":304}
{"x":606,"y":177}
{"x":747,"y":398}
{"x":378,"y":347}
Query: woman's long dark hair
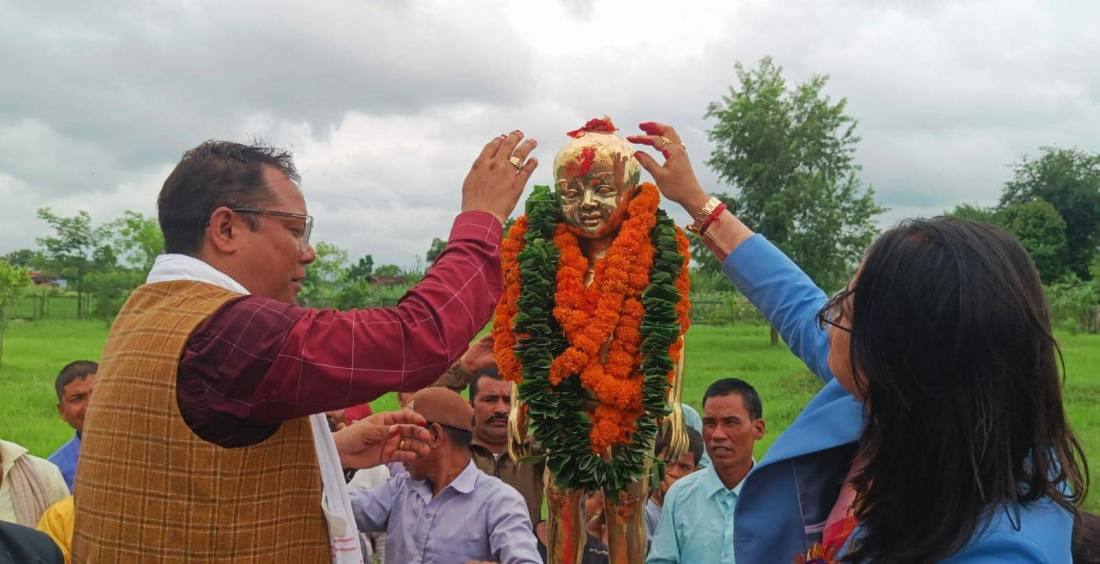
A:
{"x":952,"y":346}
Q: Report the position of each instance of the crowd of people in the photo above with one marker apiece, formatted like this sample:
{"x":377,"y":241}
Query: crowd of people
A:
{"x":228,"y":424}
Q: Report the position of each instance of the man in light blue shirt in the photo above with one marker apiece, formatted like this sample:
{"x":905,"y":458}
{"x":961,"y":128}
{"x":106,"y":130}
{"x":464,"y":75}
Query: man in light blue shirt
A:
{"x":696,"y":523}
{"x":74,"y":386}
{"x":445,"y":510}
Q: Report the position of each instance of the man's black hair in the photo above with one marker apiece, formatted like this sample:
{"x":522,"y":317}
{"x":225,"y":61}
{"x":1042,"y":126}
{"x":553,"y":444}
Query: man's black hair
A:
{"x":77,"y":369}
{"x":727,"y":386}
{"x":213,"y":175}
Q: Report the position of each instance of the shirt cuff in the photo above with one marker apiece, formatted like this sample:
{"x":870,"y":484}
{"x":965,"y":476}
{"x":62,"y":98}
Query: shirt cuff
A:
{"x":477,"y":225}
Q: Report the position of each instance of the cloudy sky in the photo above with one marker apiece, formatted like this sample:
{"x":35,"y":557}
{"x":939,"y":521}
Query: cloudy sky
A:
{"x":386,"y":103}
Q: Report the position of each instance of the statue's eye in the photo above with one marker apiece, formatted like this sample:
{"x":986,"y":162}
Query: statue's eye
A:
{"x":605,"y":190}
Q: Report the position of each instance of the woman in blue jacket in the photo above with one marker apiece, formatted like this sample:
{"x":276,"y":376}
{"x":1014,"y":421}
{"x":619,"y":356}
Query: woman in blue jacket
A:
{"x":940,"y":434}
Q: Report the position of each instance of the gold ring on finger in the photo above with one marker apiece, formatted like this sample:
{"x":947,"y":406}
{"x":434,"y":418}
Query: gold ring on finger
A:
{"x":666,"y":142}
{"x":516,"y":162}
{"x":401,"y":444}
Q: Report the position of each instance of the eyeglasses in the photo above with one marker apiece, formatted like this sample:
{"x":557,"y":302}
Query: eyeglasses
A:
{"x":308,"y":219}
{"x":832,"y":310}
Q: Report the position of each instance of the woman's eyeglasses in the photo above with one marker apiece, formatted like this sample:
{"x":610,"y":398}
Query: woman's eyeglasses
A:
{"x":832,"y":311}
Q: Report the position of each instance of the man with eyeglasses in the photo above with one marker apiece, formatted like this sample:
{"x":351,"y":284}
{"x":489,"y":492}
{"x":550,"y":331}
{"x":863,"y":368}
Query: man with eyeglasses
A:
{"x":203,"y":443}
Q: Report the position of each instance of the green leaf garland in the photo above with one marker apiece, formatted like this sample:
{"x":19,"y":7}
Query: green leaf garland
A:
{"x":558,"y":421}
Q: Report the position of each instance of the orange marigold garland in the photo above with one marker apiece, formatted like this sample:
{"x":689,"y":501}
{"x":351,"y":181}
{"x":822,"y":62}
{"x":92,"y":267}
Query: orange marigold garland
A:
{"x":618,"y":338}
{"x":504,"y":341}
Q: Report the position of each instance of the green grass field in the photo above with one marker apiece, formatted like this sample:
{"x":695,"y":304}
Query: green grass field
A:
{"x":35,"y":351}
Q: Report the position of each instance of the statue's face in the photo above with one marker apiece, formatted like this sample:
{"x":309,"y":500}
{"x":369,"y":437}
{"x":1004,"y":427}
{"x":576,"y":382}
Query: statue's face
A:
{"x":594,"y":198}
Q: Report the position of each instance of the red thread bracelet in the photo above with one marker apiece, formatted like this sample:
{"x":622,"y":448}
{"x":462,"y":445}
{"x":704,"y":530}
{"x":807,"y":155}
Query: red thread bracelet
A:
{"x":712,"y":218}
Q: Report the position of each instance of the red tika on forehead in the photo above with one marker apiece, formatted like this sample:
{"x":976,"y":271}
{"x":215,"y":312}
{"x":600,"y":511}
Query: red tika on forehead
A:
{"x":587,"y":158}
{"x":596,"y":126}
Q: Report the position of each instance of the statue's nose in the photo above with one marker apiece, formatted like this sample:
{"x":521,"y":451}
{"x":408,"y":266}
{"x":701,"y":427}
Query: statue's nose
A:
{"x":589,"y":200}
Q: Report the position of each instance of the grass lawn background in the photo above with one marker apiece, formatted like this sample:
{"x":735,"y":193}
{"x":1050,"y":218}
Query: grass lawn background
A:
{"x":35,"y":351}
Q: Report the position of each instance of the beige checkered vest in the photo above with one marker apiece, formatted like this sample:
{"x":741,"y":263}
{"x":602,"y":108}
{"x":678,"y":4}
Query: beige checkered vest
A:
{"x":149,"y":490}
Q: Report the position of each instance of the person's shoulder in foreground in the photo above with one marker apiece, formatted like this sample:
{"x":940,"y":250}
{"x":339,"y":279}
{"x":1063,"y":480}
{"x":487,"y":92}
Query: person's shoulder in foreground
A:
{"x":24,"y":545}
{"x":1037,"y":532}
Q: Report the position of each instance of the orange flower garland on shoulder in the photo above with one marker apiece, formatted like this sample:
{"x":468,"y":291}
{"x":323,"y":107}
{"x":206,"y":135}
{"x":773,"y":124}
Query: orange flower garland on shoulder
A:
{"x":504,"y":341}
{"x":601,"y":322}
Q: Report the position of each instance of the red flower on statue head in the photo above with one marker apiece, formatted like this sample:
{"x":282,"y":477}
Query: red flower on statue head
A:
{"x":596,"y":126}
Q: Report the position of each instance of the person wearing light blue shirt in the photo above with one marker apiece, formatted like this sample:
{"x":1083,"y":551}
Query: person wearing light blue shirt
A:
{"x":697,"y":519}
{"x":73,"y":385}
{"x":940,"y":434}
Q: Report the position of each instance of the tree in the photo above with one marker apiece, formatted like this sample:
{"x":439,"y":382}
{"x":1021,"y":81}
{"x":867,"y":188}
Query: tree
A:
{"x":14,"y":281}
{"x":789,"y":153}
{"x":362,"y":269}
{"x":136,"y":239}
{"x":25,"y":258}
{"x":328,"y":271}
{"x":434,"y":250}
{"x":974,"y":212}
{"x":72,"y":250}
{"x":1042,"y":231}
{"x":388,"y":270}
{"x":1070,"y":180}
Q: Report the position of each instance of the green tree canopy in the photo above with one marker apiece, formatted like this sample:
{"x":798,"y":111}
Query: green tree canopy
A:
{"x":789,"y":154}
{"x":25,"y":258}
{"x":362,"y":269}
{"x":389,"y":270}
{"x":137,"y":240}
{"x":1070,"y":180}
{"x":72,"y":250}
{"x":14,"y":281}
{"x":973,"y":211}
{"x":434,"y":250}
{"x":329,"y":270}
{"x":1042,"y":231}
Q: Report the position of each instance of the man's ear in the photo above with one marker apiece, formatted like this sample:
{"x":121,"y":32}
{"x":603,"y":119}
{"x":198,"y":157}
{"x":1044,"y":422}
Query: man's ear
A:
{"x":222,"y":230}
{"x":437,"y":435}
{"x":59,"y":410}
{"x":758,"y":429}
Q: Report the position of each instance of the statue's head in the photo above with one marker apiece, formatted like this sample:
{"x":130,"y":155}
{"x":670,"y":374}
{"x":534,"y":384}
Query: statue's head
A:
{"x":595,"y":175}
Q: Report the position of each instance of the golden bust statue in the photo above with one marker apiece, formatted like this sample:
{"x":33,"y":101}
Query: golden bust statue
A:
{"x":596,"y":183}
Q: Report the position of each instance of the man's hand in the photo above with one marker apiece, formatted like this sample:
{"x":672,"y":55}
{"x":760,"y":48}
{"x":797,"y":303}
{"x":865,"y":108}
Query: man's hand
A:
{"x":662,"y":491}
{"x":391,"y":436}
{"x":479,"y":356}
{"x":675,"y":178}
{"x":494,"y":183}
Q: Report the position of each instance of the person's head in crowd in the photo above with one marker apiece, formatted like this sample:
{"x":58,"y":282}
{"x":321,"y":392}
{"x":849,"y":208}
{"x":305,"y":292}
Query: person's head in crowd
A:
{"x":491,"y":398}
{"x":733,"y":420}
{"x":74,"y":385}
{"x":688,"y":461}
{"x":238,"y":208}
{"x":945,"y":336}
{"x":451,"y":425}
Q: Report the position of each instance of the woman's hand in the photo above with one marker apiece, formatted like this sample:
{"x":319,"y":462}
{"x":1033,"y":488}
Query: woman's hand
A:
{"x":390,"y":436}
{"x":675,"y":178}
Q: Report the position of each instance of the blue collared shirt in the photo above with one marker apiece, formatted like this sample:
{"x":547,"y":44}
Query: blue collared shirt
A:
{"x":696,"y":522}
{"x":476,"y":517}
{"x":65,"y":458}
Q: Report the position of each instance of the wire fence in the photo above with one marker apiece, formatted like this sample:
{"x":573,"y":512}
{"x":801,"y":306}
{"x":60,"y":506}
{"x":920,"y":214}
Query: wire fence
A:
{"x":51,"y":304}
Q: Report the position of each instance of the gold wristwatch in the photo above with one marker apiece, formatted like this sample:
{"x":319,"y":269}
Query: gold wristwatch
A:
{"x":701,"y":217}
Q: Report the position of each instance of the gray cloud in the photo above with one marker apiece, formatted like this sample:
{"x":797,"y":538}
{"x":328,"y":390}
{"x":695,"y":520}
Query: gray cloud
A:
{"x":386,"y":103}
